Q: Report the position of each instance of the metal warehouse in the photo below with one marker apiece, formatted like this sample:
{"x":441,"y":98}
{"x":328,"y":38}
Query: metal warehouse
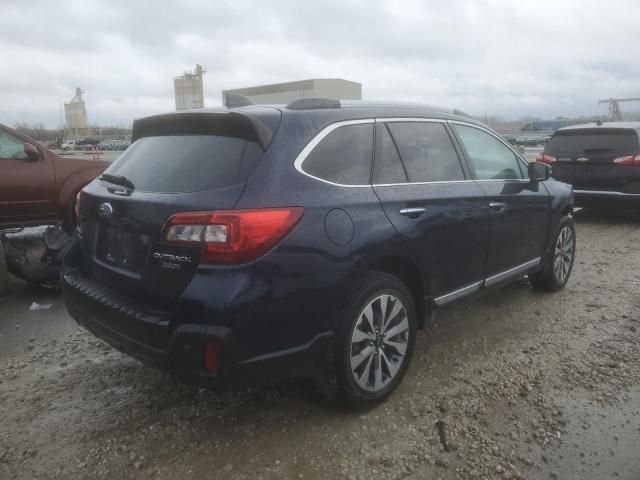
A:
{"x":286,"y":92}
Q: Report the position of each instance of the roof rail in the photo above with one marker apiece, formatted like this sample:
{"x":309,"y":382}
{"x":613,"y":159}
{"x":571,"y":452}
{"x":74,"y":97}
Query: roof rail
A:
{"x":232,"y":100}
{"x":312,"y":103}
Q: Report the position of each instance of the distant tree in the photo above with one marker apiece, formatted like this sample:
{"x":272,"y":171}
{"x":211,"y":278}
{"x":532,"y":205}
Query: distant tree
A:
{"x":38,"y":131}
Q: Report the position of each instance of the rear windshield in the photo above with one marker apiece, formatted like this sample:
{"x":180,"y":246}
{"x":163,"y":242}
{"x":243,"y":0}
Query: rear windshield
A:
{"x":187,"y":163}
{"x":593,"y":141}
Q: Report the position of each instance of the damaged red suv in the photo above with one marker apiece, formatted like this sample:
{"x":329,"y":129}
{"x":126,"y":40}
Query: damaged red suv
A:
{"x":38,"y":187}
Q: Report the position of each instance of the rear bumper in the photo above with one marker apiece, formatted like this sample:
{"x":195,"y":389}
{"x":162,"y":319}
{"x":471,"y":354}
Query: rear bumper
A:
{"x":166,"y":340}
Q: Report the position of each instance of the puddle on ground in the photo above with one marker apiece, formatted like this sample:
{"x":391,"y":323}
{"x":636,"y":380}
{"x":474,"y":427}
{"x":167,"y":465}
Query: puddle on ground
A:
{"x":602,"y":442}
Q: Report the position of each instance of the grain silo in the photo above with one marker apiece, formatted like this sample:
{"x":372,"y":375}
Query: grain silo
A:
{"x":75,"y":115}
{"x":188,"y":89}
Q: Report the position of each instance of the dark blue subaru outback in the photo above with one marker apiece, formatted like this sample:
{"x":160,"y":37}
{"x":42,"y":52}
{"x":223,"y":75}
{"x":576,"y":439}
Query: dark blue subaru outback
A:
{"x":263,"y":243}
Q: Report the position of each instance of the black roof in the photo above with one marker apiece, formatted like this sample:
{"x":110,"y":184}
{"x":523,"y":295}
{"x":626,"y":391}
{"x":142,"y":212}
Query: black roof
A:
{"x":354,"y":109}
{"x":259,"y":122}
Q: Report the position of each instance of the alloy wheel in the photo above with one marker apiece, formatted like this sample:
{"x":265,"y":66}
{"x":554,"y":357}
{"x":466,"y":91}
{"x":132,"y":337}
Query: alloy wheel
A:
{"x":563,"y":255}
{"x":379,"y":343}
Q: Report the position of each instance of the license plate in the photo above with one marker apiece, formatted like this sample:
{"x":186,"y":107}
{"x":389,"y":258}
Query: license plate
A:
{"x":122,"y":249}
{"x":583,"y":171}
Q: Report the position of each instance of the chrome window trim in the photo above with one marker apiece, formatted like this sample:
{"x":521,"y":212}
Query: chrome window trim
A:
{"x":302,"y":156}
{"x":420,"y":183}
{"x":497,"y":137}
{"x":503,"y":180}
{"x":304,"y":153}
{"x":492,"y":280}
{"x":410,"y":120}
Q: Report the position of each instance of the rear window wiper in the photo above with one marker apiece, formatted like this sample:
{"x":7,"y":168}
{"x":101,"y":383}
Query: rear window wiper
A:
{"x":118,"y":180}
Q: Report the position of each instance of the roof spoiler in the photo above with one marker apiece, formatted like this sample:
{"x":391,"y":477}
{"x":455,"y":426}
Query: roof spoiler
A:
{"x":223,"y":123}
{"x":312,"y":103}
{"x":233,"y":100}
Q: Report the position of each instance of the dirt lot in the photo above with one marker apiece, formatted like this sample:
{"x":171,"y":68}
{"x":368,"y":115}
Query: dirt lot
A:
{"x":528,"y":385}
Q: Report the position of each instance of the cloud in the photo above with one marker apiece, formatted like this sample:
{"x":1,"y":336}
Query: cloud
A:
{"x":510,"y":59}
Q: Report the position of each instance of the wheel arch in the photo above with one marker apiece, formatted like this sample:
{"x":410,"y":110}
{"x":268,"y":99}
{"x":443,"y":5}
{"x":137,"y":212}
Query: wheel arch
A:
{"x":567,"y":210}
{"x":410,"y":275}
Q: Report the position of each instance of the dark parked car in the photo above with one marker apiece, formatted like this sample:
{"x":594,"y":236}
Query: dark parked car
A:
{"x":601,"y":161}
{"x":91,"y":142}
{"x":38,"y":187}
{"x":265,"y":243}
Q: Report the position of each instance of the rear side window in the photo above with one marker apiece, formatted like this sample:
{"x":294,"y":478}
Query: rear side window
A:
{"x":590,"y":140}
{"x":187,"y":163}
{"x":343,"y":156}
{"x":387,"y":166}
{"x":491,"y":159}
{"x":427,"y":152}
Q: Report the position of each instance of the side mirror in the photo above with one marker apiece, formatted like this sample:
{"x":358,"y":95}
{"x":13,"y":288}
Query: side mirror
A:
{"x":539,"y":172}
{"x":31,"y":152}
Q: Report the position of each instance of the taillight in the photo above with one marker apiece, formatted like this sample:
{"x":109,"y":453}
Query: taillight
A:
{"x":631,"y":160}
{"x":232,"y":236}
{"x":544,"y":158}
{"x":77,"y":206}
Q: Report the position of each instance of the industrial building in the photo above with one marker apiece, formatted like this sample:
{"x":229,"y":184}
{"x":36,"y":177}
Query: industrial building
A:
{"x":75,"y":115}
{"x":189,"y":91}
{"x":279,"y":93}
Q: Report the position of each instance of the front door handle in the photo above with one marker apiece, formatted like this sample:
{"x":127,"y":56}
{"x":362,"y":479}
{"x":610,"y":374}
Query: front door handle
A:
{"x":498,"y":206}
{"x":413,"y":212}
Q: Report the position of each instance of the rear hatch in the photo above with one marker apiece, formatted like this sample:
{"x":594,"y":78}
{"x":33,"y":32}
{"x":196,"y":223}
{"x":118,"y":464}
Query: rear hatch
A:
{"x":184,"y":162}
{"x":585,"y":157}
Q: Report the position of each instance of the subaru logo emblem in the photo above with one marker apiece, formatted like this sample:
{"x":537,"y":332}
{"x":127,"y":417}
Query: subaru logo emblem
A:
{"x":105,"y":210}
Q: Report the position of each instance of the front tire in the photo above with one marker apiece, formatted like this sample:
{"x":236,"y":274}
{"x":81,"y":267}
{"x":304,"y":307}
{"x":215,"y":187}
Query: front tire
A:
{"x":374,"y":343}
{"x":558,"y":264}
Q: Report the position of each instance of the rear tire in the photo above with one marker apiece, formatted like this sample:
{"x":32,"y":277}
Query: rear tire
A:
{"x":558,"y":264}
{"x":375,"y":337}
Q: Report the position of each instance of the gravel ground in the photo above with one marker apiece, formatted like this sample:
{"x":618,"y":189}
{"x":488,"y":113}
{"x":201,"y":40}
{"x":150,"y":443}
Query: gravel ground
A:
{"x":524,"y":385}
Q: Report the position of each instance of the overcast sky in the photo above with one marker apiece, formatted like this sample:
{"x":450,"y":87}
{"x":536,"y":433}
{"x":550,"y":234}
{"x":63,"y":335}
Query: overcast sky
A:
{"x":507,"y":58}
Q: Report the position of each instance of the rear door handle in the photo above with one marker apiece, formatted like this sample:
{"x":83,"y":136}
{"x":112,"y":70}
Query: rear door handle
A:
{"x":498,"y":206}
{"x":412,"y":212}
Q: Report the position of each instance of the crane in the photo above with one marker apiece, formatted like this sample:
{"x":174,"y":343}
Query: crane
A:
{"x":615,"y":114}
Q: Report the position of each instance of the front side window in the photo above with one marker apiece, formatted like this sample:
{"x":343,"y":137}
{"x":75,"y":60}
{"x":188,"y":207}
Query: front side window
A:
{"x":10,"y":146}
{"x":343,"y":156}
{"x":427,"y":152}
{"x":490,"y":158}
